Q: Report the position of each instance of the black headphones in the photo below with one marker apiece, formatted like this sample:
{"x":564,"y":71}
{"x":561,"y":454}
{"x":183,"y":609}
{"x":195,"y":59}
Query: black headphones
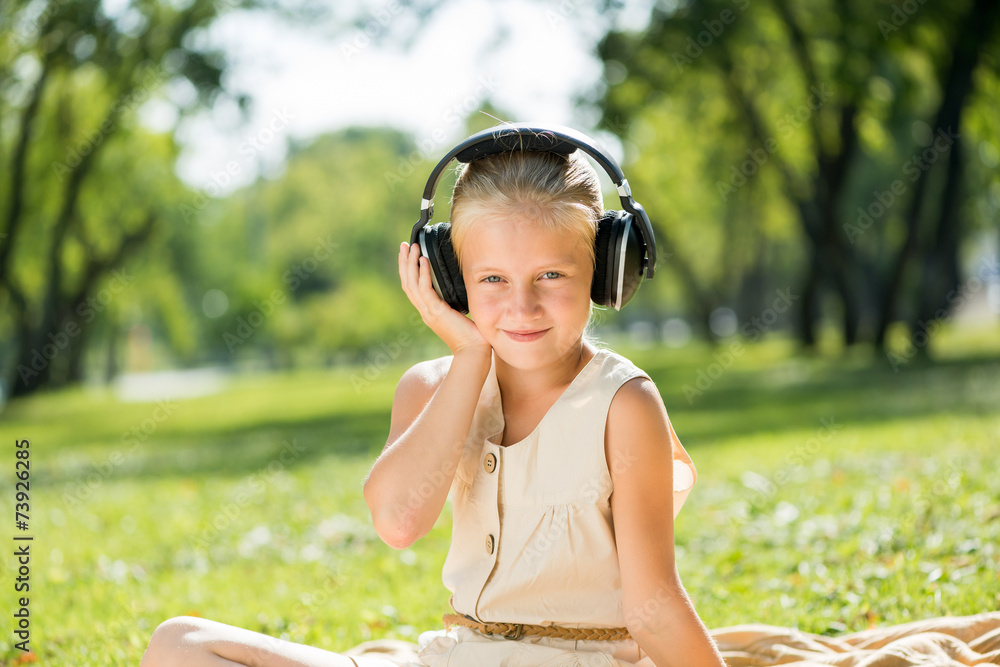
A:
{"x":623,"y":250}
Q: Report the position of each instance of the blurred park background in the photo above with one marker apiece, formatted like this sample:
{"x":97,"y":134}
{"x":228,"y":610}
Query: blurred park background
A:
{"x":201,"y":324}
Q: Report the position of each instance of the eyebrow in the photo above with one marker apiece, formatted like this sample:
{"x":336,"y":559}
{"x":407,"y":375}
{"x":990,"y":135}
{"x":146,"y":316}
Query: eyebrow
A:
{"x":565,"y":262}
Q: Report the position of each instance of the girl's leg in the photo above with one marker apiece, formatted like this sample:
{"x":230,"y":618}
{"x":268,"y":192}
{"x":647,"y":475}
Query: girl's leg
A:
{"x":197,"y":642}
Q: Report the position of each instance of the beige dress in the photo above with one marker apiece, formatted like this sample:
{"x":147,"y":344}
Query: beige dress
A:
{"x":533,"y":537}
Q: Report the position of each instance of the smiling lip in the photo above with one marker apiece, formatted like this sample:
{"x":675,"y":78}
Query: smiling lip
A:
{"x":525,"y":336}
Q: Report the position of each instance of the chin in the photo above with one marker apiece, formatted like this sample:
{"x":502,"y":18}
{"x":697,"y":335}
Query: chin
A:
{"x":517,"y":356}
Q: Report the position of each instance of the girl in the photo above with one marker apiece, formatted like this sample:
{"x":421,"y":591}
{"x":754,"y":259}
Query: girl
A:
{"x":557,"y":454}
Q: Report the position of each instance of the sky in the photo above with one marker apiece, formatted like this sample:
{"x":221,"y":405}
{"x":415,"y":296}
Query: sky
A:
{"x":529,"y":60}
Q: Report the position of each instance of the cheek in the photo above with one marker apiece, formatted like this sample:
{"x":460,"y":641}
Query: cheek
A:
{"x":572,"y":301}
{"x":482,"y":304}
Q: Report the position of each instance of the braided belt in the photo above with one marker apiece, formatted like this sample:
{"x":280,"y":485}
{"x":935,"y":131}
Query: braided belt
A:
{"x":517,"y":630}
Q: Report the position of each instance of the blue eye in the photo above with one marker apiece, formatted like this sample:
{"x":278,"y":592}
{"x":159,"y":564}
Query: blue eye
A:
{"x":551,"y":275}
{"x":491,"y":279}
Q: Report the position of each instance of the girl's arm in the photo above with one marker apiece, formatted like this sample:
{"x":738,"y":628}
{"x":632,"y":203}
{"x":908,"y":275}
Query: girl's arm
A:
{"x":431,"y":417}
{"x":658,"y":612}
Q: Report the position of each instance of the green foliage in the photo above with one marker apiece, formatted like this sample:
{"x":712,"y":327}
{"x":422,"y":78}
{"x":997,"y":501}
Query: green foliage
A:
{"x":319,"y":240}
{"x":301,"y":268}
{"x":757,"y":129}
{"x":84,"y":185}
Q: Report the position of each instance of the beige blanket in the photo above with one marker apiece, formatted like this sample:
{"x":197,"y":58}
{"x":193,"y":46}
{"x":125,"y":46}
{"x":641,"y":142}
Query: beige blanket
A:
{"x":949,"y":641}
{"x":946,"y":642}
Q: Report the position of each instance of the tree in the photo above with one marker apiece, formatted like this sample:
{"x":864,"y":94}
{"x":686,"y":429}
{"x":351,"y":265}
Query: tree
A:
{"x":85,"y":186}
{"x":811,"y":107}
{"x":940,"y":252}
{"x":313,"y":250}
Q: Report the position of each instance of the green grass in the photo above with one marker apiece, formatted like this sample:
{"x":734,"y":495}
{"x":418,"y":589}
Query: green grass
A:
{"x":834,"y":493}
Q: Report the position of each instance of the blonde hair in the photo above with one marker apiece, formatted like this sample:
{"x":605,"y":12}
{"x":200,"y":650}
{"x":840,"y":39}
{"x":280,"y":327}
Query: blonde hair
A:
{"x":556,"y":191}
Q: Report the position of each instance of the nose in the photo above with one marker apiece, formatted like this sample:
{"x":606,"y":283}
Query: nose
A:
{"x":524,"y":303}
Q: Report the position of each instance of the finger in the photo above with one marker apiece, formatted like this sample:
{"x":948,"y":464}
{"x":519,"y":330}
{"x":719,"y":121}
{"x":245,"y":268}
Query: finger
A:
{"x":431,"y":299}
{"x":413,"y":270}
{"x":426,"y":284}
{"x":421,"y":284}
{"x":405,"y":279}
{"x":401,"y":261}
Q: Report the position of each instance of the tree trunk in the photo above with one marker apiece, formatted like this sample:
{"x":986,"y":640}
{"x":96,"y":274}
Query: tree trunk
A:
{"x":111,"y":362}
{"x":941,"y":273}
{"x":27,"y":372}
{"x":809,"y":315}
{"x":969,"y":40}
{"x":890,"y":297}
{"x":833,"y":171}
{"x":35,"y":354}
{"x":77,"y":345}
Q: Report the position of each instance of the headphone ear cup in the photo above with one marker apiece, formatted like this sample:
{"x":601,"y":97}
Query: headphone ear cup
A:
{"x":629,"y":270}
{"x":619,"y":252}
{"x":600,"y":287}
{"x":435,"y":244}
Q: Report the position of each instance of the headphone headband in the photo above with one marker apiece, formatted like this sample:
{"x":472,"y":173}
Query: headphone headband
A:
{"x":535,"y":137}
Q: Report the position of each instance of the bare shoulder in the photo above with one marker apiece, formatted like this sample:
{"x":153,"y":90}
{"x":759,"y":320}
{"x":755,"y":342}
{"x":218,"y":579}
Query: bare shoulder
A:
{"x":635,"y":399}
{"x":424,"y":377}
{"x":637,"y":425}
{"x":414,"y":391}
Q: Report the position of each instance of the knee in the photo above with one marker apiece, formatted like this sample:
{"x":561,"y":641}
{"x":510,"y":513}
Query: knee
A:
{"x":173,"y":642}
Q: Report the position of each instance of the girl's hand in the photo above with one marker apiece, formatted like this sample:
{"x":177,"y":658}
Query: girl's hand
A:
{"x":455,"y":329}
